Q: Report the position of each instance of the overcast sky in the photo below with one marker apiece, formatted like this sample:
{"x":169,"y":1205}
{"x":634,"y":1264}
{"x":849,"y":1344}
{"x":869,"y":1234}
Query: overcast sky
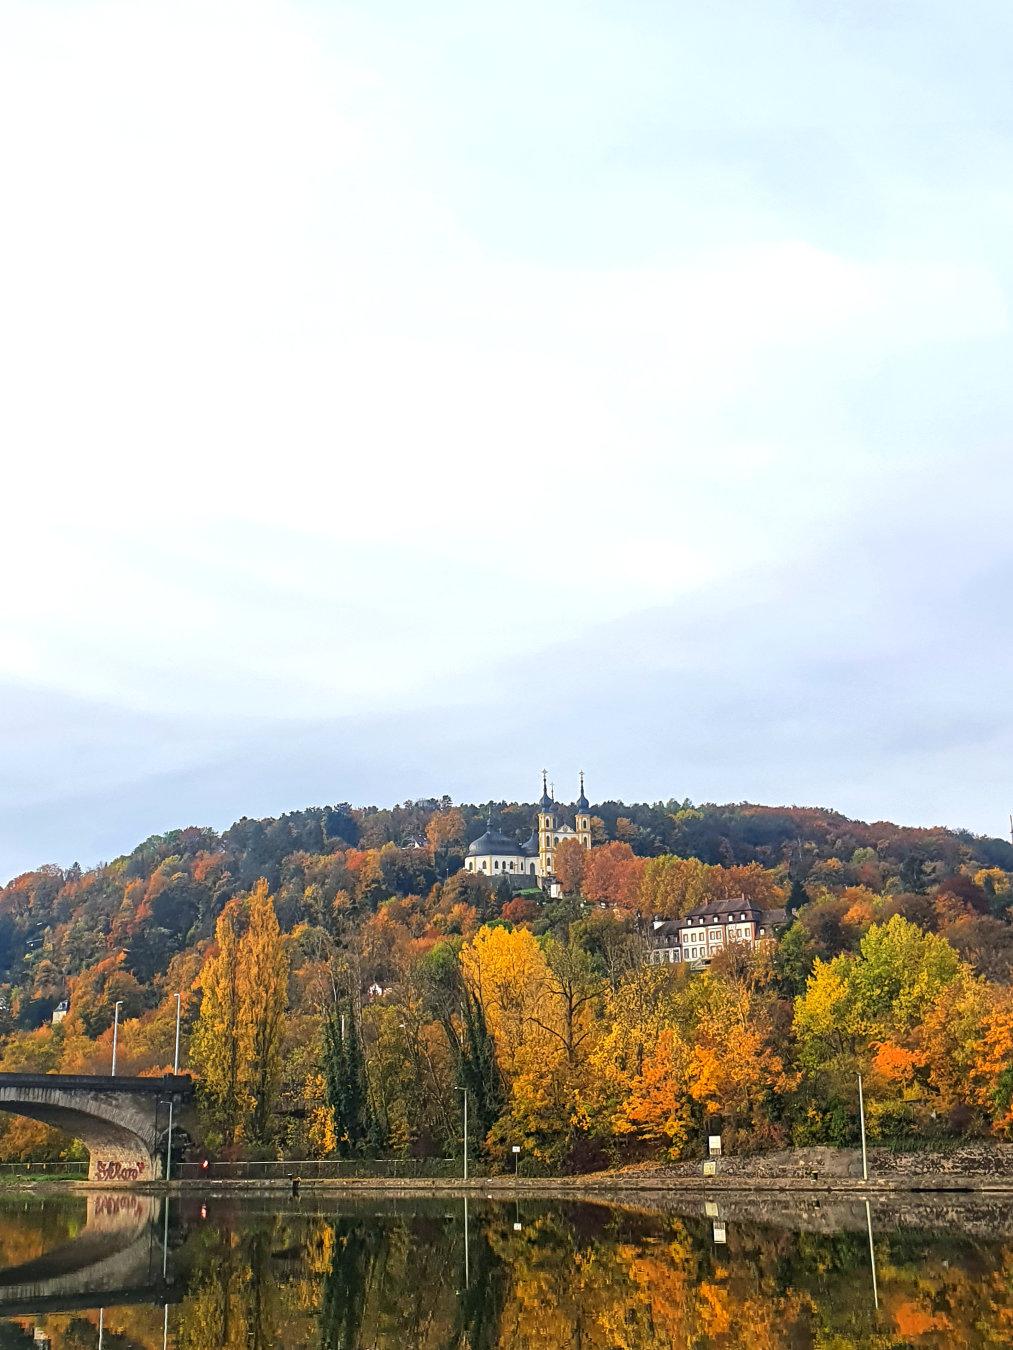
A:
{"x":399,"y":397}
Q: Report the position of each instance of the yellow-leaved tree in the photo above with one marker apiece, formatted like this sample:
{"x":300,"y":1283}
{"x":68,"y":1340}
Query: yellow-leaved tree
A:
{"x":220,"y":1049}
{"x":508,"y":974}
{"x":263,"y":969}
{"x":524,"y":1004}
{"x":634,"y":1015}
{"x":236,"y":1046}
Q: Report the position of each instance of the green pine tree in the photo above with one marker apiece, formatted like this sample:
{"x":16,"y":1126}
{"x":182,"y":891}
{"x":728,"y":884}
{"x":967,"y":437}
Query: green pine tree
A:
{"x":479,"y":1072}
{"x":347,"y":1084}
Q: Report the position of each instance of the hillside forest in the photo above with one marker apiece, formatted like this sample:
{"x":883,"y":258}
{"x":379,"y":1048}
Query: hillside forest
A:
{"x":341,"y":981}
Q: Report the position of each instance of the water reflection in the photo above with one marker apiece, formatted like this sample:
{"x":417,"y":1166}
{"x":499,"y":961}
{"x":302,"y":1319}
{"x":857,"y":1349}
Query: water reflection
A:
{"x":128,"y":1273}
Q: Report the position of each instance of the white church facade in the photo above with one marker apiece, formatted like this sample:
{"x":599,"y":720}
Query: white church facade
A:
{"x":495,"y":855}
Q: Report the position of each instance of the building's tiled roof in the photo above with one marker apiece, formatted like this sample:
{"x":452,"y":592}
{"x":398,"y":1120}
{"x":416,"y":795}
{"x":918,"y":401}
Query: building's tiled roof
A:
{"x":670,"y":928}
{"x":774,"y":918}
{"x":720,"y":909}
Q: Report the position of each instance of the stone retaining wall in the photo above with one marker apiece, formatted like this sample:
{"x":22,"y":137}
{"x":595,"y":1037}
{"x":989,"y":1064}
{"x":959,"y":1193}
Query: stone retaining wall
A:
{"x":975,"y":1159}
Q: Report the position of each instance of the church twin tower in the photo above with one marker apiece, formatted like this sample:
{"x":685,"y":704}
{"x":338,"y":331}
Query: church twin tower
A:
{"x":499,"y":857}
{"x":552,"y":829}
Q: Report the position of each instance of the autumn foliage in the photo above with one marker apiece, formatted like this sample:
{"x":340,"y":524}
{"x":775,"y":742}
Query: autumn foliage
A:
{"x":341,"y":979}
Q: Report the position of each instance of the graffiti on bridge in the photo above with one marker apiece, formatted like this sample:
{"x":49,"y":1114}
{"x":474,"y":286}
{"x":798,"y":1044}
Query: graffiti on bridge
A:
{"x":114,"y":1170}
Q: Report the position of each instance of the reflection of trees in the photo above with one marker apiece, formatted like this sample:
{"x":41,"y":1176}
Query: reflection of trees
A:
{"x":573,"y":1276}
{"x":36,"y":1226}
{"x":346,"y":1284}
{"x":668,"y":1285}
{"x":481,"y":1305}
{"x":235,"y":1298}
{"x":400,"y":1282}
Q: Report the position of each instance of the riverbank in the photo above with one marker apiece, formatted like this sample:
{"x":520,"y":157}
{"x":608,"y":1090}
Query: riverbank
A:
{"x":984,"y":1167}
{"x":603,"y":1186}
{"x":975,"y":1168}
{"x":597,"y":1184}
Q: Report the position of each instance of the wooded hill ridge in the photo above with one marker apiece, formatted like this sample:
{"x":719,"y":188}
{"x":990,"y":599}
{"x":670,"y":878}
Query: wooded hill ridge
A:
{"x":375,"y":976}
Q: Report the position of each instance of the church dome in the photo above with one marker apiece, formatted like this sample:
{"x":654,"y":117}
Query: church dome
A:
{"x":582,"y":803}
{"x":495,"y":842}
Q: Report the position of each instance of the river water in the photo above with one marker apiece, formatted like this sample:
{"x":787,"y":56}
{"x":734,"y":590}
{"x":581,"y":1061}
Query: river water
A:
{"x":126,"y":1272}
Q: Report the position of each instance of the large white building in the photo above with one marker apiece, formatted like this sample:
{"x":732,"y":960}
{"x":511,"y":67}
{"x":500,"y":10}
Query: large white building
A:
{"x":696,"y":939}
{"x":495,"y":855}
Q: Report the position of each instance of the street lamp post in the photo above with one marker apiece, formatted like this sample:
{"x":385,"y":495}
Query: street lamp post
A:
{"x":116,"y":1031}
{"x":861,"y":1117}
{"x":465,"y":1091}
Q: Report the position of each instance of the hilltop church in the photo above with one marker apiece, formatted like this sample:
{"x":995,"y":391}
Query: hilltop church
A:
{"x":495,"y":855}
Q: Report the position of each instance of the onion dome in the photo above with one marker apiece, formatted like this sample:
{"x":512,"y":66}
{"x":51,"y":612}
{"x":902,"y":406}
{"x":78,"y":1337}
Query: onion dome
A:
{"x":545,"y":802}
{"x":582,"y":802}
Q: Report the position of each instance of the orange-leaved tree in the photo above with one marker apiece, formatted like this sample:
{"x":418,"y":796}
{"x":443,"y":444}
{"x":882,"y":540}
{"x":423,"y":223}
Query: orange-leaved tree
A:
{"x":658,"y":1105}
{"x":568,"y":863}
{"x":445,"y":828}
{"x":612,"y":875}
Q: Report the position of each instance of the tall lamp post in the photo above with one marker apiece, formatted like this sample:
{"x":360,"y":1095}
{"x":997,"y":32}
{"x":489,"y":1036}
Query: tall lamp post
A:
{"x":175,"y":1071}
{"x":465,"y":1091}
{"x":116,"y":1031}
{"x":861,"y":1117}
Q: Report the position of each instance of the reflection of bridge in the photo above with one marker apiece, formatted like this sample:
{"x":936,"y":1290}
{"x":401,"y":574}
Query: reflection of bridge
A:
{"x":117,"y":1258}
{"x":121,"y":1121}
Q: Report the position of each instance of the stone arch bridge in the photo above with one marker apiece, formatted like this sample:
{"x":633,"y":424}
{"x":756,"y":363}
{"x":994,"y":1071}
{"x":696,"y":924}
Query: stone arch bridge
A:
{"x":123,"y":1122}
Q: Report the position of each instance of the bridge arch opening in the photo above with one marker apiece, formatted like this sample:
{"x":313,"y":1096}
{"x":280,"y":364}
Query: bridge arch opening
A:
{"x":116,"y":1153}
{"x":122,"y":1122}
